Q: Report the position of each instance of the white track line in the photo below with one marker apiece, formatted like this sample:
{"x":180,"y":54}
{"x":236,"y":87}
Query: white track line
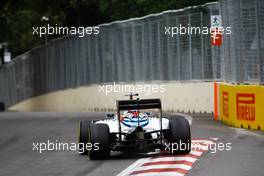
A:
{"x":176,"y":166}
{"x":129,"y":169}
{"x":161,"y":174}
{"x":196,"y":153}
{"x":189,"y":159}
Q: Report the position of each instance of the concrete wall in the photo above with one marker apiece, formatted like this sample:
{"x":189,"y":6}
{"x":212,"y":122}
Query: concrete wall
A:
{"x":176,"y":96}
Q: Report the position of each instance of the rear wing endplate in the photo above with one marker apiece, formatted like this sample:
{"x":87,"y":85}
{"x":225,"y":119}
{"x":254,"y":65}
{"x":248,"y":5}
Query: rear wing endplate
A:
{"x":138,"y":104}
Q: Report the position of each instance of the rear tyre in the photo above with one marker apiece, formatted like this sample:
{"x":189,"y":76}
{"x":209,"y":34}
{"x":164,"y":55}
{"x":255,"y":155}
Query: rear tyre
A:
{"x":84,"y":136}
{"x":180,"y":136}
{"x":100,"y":139}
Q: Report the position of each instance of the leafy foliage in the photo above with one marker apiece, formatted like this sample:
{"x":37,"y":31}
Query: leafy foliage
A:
{"x":17,"y":17}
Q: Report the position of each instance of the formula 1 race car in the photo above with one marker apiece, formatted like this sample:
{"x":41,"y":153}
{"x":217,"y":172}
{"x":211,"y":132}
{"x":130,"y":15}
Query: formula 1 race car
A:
{"x":134,"y":130}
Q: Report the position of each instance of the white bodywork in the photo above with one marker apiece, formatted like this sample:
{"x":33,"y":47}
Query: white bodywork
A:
{"x":152,"y":125}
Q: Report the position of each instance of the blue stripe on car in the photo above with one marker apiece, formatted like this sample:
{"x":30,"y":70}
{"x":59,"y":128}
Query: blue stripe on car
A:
{"x":133,"y":122}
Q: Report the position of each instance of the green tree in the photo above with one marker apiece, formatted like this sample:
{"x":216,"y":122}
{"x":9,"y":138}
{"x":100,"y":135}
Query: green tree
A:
{"x":17,"y":17}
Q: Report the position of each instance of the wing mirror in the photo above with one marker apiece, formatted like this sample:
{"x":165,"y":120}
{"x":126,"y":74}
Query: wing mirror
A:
{"x":110,"y":116}
{"x":148,"y":113}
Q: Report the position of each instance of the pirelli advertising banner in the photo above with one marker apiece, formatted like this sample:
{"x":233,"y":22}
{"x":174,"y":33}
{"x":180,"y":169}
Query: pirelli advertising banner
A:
{"x":242,"y":105}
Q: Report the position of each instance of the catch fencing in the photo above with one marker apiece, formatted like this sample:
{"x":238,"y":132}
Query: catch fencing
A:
{"x":138,"y":50}
{"x":242,"y":54}
{"x":126,"y":51}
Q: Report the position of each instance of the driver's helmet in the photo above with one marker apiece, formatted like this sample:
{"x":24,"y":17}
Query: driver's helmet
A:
{"x":133,"y":118}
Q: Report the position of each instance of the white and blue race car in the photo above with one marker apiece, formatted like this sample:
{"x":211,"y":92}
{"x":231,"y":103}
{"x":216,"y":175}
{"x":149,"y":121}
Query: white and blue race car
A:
{"x":134,"y":130}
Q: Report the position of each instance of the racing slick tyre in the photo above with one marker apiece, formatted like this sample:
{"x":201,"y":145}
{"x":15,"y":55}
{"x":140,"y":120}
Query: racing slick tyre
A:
{"x":100,"y":139}
{"x":180,"y":136}
{"x":84,"y":136}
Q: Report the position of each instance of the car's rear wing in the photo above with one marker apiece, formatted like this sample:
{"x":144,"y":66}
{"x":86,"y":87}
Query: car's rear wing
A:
{"x":123,"y":105}
{"x":138,"y":104}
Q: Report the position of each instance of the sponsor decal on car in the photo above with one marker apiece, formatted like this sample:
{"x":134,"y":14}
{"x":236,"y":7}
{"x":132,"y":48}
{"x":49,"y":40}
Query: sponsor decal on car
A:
{"x":134,"y":119}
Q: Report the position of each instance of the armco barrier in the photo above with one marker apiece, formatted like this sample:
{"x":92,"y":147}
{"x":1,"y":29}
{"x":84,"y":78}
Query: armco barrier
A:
{"x":242,"y":105}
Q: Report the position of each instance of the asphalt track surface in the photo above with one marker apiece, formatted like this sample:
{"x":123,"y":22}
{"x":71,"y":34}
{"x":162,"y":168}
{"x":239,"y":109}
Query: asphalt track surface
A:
{"x":19,"y":130}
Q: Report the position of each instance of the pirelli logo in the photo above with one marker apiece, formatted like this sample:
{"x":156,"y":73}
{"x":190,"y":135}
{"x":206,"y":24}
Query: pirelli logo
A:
{"x":246,"y":107}
{"x":226,"y":104}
